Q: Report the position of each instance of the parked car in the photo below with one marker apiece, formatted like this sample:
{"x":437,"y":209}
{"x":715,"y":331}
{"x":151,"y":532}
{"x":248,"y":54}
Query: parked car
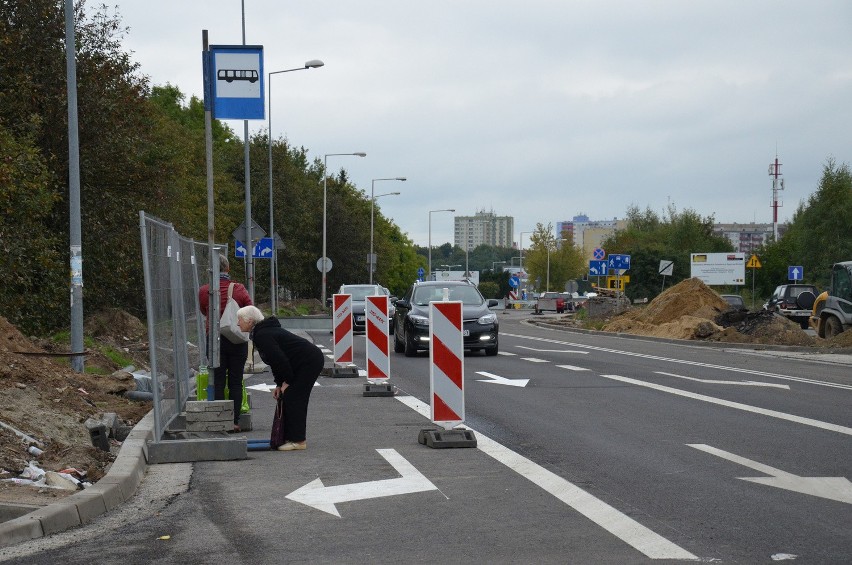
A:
{"x":793,"y":301}
{"x":411,"y":325}
{"x":735,"y":301}
{"x":550,"y":301}
{"x":359,"y":293}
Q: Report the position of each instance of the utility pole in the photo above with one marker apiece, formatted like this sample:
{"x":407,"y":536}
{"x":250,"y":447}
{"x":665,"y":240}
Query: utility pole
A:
{"x":777,"y":185}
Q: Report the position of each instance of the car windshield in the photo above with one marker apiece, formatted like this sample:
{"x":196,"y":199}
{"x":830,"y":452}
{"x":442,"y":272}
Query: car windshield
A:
{"x":468,"y":295}
{"x":360,"y":293}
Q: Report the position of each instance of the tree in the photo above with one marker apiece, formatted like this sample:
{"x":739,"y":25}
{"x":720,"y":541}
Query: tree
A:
{"x":546,"y":255}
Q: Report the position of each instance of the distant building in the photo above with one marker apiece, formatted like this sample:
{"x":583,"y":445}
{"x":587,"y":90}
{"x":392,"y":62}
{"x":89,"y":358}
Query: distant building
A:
{"x":746,"y":238}
{"x":588,"y":234}
{"x":483,"y":228}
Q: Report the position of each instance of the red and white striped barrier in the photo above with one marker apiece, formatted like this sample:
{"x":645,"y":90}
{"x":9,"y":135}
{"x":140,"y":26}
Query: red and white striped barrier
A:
{"x":513,"y":295}
{"x":342,"y":328}
{"x":378,"y":340}
{"x":446,"y":370}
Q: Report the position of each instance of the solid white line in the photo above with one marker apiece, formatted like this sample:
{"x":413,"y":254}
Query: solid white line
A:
{"x":551,"y":350}
{"x":620,"y":525}
{"x":737,"y":405}
{"x":683,"y":361}
{"x":714,"y":382}
{"x":572,"y":368}
{"x":535,"y":360}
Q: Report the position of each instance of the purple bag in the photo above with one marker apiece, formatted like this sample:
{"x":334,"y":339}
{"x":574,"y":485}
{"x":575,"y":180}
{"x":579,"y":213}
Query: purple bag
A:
{"x":278,"y":431}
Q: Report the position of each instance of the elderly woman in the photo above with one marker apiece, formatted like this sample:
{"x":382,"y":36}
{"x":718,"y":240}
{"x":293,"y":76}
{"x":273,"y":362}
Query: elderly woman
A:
{"x":296,"y":364}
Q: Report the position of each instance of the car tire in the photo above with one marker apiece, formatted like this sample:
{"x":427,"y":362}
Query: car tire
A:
{"x":410,"y":349}
{"x":492,"y":351}
{"x":833,"y":327}
{"x":398,"y":347}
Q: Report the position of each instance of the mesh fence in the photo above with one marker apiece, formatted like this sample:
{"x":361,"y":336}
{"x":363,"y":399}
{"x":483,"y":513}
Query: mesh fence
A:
{"x":175,"y":268}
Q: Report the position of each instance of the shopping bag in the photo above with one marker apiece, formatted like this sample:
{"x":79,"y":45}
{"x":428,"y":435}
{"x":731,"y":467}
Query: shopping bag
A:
{"x":278,"y":435}
{"x":228,"y":324}
{"x":201,"y":384}
{"x":244,"y":407}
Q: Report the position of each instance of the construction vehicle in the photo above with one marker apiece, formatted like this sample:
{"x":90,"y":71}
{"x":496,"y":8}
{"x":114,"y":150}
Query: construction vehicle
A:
{"x":832,"y":311}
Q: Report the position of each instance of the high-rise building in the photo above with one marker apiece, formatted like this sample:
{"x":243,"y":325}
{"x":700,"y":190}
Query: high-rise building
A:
{"x":483,"y":228}
{"x":746,"y":238}
{"x":587,"y":234}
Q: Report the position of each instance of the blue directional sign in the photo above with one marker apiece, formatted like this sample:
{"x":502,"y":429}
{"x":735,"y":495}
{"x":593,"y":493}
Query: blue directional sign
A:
{"x":262,"y":249}
{"x":795,"y":273}
{"x":620,"y":262}
{"x":597,"y":268}
{"x":239,"y":249}
{"x":514,"y":281}
{"x":421,"y":272}
{"x":599,"y":253}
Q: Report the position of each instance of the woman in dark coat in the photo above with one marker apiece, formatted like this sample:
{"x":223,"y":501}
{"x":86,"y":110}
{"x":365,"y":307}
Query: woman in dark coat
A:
{"x":296,"y":364}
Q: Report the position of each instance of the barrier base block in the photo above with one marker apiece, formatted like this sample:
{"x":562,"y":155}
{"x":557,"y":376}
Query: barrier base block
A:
{"x":378,"y":389}
{"x":441,"y":439}
{"x":341,"y":372}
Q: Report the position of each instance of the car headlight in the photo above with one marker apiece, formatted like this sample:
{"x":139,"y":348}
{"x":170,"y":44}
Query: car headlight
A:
{"x":489,"y":318}
{"x":419,"y":320}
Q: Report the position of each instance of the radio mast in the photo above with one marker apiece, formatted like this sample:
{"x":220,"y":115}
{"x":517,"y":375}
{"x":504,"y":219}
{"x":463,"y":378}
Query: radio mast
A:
{"x":777,"y":185}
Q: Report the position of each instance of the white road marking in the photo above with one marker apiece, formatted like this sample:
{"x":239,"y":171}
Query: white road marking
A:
{"x":832,"y":488}
{"x":321,"y":497}
{"x":682,"y":361}
{"x":498,"y":380}
{"x":535,"y":360}
{"x":712,"y":382}
{"x":506,"y":353}
{"x":572,"y":368}
{"x":739,"y":406}
{"x":551,"y":350}
{"x":618,"y":524}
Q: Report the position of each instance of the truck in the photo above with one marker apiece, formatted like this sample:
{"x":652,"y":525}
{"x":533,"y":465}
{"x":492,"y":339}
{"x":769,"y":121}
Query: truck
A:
{"x":551,"y":301}
{"x":832,"y":311}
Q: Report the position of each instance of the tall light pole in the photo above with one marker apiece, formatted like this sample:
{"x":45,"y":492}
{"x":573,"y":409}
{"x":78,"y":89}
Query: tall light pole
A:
{"x":430,"y":236}
{"x":521,"y":242}
{"x":324,"y":259}
{"x":547,"y":287}
{"x":371,"y":259}
{"x":273,"y":287}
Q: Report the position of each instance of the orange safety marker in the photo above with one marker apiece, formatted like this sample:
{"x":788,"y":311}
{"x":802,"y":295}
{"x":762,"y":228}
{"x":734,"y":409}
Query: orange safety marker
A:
{"x":378,"y":338}
{"x":446,"y":371}
{"x":342,"y":320}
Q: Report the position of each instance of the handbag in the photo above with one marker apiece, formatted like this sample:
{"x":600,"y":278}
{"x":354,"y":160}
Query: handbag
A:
{"x":279,"y":432}
{"x":228,"y":325}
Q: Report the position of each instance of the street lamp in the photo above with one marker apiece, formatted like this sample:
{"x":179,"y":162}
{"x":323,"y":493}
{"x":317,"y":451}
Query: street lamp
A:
{"x":273,"y":287}
{"x":370,"y":259}
{"x":548,"y":261}
{"x":521,"y":242}
{"x":430,"y":235}
{"x":324,"y":259}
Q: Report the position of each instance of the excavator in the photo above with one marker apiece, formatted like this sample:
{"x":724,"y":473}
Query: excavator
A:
{"x":832,"y":311}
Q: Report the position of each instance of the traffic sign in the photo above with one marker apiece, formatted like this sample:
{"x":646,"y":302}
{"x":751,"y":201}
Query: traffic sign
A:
{"x":421,"y":272}
{"x":599,"y":253}
{"x":514,"y":281}
{"x":621,"y":262}
{"x":262,"y":249}
{"x":666,"y":267}
{"x":753,"y":262}
{"x":795,"y":273}
{"x":597,"y":268}
{"x":320,"y":262}
{"x":235,"y":81}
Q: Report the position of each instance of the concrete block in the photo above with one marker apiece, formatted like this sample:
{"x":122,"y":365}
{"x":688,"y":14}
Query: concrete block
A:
{"x":218,"y":426}
{"x":126,"y":483}
{"x":341,"y":372}
{"x":110,"y":493}
{"x":98,"y":433}
{"x":245,"y":422}
{"x":10,"y":511}
{"x":110,"y":420}
{"x":441,"y":439}
{"x":20,"y":529}
{"x":375,"y":389}
{"x":190,"y":450}
{"x":90,"y":504}
{"x":208,"y":406}
{"x":56,"y":517}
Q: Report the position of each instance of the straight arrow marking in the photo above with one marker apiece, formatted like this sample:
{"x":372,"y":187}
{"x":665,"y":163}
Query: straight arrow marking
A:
{"x":497,"y":380}
{"x":321,"y":497}
{"x":832,"y":488}
{"x":712,"y":382}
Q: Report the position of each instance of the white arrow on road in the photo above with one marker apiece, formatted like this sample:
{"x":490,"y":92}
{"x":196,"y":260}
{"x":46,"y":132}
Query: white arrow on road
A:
{"x":711,"y":382}
{"x":494,"y":379}
{"x":321,"y":497}
{"x":832,"y":488}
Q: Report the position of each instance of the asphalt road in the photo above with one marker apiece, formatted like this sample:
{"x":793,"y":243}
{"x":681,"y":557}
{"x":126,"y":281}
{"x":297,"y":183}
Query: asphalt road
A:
{"x":614,"y":451}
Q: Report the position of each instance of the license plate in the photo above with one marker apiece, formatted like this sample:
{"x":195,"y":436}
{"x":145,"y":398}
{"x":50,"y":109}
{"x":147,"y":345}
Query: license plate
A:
{"x":466,"y":333}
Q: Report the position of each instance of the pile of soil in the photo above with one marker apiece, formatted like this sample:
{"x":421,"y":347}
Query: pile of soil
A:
{"x":42,"y":397}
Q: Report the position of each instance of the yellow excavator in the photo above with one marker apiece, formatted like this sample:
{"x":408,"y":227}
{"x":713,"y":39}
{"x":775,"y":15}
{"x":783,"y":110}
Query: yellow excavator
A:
{"x":832,"y":312}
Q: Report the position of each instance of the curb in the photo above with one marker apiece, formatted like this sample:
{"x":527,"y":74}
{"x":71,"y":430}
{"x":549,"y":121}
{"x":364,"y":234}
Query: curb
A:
{"x":116,"y":487}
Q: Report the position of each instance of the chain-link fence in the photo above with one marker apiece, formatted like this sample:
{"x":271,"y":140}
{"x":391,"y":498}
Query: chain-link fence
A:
{"x":175,"y":268}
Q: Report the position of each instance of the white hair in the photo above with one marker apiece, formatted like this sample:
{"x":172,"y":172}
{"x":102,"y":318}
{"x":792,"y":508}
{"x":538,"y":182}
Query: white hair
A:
{"x":251,"y":313}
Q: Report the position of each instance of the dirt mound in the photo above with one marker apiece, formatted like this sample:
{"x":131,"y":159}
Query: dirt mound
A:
{"x":42,"y":397}
{"x":116,"y":324}
{"x":760,"y":327}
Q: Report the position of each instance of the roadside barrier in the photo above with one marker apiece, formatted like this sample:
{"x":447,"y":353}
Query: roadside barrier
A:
{"x":342,"y":325}
{"x":378,"y":347}
{"x":446,"y":367}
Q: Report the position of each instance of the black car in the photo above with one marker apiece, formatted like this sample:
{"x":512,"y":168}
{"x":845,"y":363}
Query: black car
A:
{"x":411,"y":327}
{"x":793,"y":301}
{"x":735,"y":301}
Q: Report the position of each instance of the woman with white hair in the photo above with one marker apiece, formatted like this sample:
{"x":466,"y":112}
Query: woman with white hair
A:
{"x":296,"y":364}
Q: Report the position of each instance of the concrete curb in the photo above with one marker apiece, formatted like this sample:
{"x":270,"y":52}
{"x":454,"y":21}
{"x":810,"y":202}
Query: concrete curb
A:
{"x":116,"y":487}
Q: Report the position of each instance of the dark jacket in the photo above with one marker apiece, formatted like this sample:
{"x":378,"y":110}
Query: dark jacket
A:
{"x":283,"y":351}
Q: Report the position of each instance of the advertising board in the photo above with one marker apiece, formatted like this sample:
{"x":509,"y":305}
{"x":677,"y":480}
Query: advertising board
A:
{"x":715,"y":269}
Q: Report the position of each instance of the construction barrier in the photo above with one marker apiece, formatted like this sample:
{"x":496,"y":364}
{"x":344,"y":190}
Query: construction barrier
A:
{"x":446,"y":369}
{"x":342,"y":327}
{"x":378,"y":338}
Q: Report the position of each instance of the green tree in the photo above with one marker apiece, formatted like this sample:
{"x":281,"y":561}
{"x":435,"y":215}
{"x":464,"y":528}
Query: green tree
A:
{"x":561,"y":259}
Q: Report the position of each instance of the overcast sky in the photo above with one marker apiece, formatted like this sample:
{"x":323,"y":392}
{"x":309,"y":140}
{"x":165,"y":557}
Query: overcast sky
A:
{"x":540,"y":110}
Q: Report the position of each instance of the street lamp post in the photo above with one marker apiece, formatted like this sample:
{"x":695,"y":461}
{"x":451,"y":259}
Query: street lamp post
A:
{"x":371,"y":259}
{"x":547,"y":287}
{"x":521,"y":242}
{"x":324,"y":259}
{"x":430,"y":235}
{"x":273,"y":287}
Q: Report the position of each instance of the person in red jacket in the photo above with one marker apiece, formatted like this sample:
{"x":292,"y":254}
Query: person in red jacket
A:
{"x":232,"y":356}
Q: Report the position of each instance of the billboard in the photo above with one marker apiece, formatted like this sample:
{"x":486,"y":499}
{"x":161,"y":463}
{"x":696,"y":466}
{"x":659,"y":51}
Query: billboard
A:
{"x":715,"y":269}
